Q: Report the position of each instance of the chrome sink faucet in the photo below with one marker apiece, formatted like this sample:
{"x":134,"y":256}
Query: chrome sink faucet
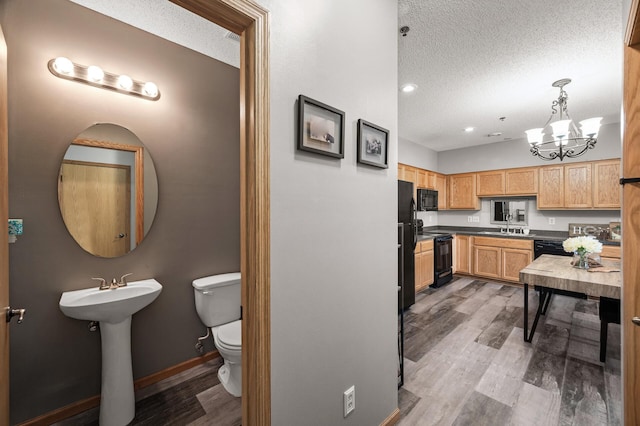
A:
{"x":114,"y":283}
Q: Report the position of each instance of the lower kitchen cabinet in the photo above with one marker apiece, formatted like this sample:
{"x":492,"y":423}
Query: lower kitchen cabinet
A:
{"x":513,"y":260}
{"x":462,"y":254}
{"x":487,"y":261}
{"x":424,"y":264}
{"x":501,"y":258}
{"x":610,"y":253}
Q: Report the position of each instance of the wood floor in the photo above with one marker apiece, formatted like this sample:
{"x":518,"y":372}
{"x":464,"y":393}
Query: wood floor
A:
{"x":194,"y":398}
{"x":466,"y":362}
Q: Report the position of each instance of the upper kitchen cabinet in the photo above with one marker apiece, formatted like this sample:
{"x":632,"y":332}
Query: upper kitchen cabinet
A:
{"x":462,"y":192}
{"x":491,"y":183}
{"x":551,"y":191}
{"x":407,"y":173}
{"x":576,"y":186}
{"x":522,"y":181}
{"x":607,"y":191}
{"x":441,"y":187}
{"x":426,"y":179}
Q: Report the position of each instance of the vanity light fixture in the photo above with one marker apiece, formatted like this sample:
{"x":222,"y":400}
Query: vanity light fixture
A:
{"x":565,"y":139}
{"x":95,"y":76}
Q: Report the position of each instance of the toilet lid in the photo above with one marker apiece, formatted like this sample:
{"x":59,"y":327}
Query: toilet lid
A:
{"x":231,"y":334}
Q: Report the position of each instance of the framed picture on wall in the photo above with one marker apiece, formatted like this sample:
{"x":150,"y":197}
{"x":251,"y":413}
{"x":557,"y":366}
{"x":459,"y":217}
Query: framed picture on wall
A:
{"x":373,"y":144}
{"x":320,"y":128}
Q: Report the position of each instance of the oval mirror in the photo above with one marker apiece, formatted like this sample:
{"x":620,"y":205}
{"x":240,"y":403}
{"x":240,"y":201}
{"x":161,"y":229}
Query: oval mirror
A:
{"x":107,"y":190}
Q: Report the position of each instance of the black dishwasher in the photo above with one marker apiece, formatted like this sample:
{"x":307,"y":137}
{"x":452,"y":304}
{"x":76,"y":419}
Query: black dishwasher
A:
{"x":541,"y":247}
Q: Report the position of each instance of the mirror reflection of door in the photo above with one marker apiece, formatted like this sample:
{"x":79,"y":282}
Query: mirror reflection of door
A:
{"x":102,"y":192}
{"x":102,"y":219}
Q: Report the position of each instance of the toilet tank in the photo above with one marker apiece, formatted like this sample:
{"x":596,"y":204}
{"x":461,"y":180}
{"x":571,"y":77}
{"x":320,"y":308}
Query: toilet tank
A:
{"x":218,"y":298}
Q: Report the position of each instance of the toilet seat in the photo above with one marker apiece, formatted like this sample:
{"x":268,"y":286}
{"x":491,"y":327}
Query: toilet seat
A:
{"x":229,"y":336}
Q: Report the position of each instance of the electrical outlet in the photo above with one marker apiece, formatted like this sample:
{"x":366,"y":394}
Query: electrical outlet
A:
{"x":552,"y":221}
{"x":476,"y":219}
{"x":349,"y":397}
{"x":469,"y":218}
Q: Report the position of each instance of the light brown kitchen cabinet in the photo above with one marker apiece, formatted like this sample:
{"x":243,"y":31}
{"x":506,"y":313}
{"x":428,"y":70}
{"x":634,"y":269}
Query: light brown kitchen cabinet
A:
{"x":610,"y":253}
{"x":424,"y":264}
{"x":487,"y":261}
{"x":462,"y":254}
{"x":577,"y":186}
{"x":607,"y":191}
{"x":551,"y":190}
{"x":501,"y":258}
{"x":407,"y":173}
{"x":441,"y":187}
{"x":491,"y":183}
{"x":513,"y":260}
{"x":462,"y":192}
{"x":522,"y":181}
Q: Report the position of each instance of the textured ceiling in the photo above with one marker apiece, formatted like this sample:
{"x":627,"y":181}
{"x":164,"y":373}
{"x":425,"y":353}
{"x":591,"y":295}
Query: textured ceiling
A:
{"x":173,"y":23}
{"x":476,"y":61}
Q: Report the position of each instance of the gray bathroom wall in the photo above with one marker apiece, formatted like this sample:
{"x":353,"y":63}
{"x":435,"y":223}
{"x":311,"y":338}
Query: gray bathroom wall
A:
{"x":192,"y":134}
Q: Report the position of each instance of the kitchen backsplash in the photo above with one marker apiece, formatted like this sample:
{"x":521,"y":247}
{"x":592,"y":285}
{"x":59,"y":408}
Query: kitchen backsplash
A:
{"x":538,"y":219}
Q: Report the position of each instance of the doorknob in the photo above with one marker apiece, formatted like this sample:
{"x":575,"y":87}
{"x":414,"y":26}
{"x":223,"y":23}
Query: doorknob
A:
{"x":15,"y":312}
{"x":120,"y":235}
{"x":635,"y":320}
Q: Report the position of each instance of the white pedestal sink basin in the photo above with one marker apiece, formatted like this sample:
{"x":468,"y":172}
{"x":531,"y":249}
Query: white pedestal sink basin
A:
{"x":113,"y":309}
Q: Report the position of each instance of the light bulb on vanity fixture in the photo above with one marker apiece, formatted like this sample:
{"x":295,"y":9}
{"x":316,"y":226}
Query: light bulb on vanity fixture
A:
{"x":95,"y":76}
{"x":566,"y":140}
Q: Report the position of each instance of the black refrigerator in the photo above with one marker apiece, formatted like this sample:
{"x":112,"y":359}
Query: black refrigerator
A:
{"x":407,"y":238}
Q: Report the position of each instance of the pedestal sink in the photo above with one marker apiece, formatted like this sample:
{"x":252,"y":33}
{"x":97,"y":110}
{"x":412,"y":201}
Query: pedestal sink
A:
{"x":113,"y":309}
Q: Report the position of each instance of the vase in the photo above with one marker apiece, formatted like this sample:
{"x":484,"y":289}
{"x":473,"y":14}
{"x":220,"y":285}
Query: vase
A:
{"x":581,"y":260}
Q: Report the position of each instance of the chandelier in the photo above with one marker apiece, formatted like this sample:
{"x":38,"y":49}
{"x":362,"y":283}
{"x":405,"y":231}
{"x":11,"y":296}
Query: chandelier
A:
{"x":563,"y":138}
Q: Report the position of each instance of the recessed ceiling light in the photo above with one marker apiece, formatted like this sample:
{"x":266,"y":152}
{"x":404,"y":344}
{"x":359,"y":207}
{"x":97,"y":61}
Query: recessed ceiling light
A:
{"x":408,"y":88}
{"x":469,"y":129}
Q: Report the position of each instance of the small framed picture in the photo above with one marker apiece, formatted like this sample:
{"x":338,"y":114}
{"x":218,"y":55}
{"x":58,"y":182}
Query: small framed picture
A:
{"x":320,"y":128}
{"x":373,"y":144}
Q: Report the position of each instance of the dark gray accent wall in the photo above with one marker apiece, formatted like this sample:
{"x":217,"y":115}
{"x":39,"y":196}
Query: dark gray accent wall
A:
{"x":192,"y":134}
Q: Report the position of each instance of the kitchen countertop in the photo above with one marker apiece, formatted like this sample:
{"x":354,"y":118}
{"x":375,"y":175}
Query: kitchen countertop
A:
{"x":495,"y":233}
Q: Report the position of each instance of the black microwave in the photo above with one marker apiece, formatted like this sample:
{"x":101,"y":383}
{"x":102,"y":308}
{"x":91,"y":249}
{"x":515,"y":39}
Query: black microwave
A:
{"x":427,"y":200}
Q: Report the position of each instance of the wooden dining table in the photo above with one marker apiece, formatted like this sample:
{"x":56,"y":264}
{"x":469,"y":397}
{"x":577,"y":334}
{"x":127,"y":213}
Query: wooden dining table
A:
{"x":551,"y":274}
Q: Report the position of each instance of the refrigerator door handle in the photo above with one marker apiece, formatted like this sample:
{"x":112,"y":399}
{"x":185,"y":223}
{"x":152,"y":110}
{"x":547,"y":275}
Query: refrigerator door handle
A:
{"x":414,"y":228}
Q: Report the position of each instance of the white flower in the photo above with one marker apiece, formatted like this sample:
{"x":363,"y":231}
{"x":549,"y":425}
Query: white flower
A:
{"x":587,"y":244}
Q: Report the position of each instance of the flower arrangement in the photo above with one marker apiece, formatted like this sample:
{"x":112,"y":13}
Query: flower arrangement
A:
{"x":582,"y":245}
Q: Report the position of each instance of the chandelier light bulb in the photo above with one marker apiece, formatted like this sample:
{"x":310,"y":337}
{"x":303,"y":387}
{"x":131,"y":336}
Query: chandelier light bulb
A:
{"x":560,"y":129}
{"x":63,"y":65}
{"x":590,"y":127}
{"x":534,"y":136}
{"x":95,"y":73}
{"x":125,"y":82}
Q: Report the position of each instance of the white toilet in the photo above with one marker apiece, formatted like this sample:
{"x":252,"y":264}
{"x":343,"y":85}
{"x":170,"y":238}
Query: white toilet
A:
{"x":218,"y":304}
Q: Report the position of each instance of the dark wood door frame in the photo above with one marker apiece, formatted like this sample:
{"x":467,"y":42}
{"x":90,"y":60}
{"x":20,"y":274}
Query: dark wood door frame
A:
{"x":251,"y":22}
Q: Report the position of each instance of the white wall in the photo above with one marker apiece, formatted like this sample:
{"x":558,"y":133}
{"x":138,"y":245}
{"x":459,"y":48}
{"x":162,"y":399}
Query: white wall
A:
{"x":333,"y":232}
{"x":515,"y":153}
{"x":417,"y":155}
{"x":334,"y":269}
